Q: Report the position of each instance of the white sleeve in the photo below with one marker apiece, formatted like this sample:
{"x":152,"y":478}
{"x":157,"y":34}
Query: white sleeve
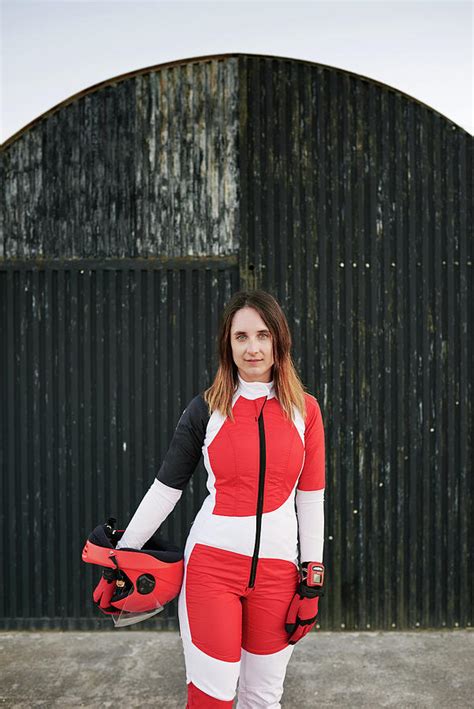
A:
{"x":310,"y":512}
{"x":151,"y":513}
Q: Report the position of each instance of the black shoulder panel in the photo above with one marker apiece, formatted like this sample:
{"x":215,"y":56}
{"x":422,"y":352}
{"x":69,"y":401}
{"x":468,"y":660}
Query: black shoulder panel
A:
{"x":185,"y":449}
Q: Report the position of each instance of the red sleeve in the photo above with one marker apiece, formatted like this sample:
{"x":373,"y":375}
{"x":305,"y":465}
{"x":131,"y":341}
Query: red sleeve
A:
{"x":313,"y":474}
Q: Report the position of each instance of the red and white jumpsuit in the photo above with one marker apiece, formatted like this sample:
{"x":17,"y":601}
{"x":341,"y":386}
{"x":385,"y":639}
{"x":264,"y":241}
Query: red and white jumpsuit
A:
{"x":266,"y":478}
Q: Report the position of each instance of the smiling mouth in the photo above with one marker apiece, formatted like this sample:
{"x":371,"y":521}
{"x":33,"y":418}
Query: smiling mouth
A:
{"x":254,"y":360}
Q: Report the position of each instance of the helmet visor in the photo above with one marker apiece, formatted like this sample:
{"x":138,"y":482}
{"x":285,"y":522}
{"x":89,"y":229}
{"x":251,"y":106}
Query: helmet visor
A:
{"x":123,"y":618}
{"x":126,"y":617}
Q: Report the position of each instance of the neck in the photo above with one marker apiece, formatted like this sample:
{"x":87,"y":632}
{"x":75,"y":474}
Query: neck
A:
{"x":254,"y":390}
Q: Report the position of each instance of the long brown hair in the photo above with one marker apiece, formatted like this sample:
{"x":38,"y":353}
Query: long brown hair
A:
{"x":289,"y":389}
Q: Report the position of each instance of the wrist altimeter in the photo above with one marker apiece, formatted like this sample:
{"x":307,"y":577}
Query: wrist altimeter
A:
{"x":312,"y":579}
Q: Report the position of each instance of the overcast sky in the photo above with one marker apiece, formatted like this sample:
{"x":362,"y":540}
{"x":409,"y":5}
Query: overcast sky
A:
{"x":51,"y":50}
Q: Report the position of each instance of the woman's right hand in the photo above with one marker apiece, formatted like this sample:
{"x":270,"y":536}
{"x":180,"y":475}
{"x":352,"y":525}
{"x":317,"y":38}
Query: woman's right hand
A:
{"x":103,"y":593}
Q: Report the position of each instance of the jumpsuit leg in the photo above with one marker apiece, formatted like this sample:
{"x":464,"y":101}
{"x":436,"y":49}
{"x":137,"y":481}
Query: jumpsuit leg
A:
{"x":265,"y":650}
{"x":210,"y":619}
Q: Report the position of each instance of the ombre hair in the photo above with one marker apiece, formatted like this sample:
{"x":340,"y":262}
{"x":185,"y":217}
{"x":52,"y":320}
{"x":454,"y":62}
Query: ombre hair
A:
{"x":289,"y":389}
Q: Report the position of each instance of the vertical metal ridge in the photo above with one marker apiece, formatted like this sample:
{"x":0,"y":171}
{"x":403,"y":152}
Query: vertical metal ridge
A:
{"x":24,"y":457}
{"x":62,"y":406}
{"x":242,"y":167}
{"x":268,"y":264}
{"x":463,"y":404}
{"x":308,"y":303}
{"x":343,"y":570}
{"x":283,"y":134}
{"x":355,"y":232}
{"x":149,"y":381}
{"x":428,"y":425}
{"x":127,"y":351}
{"x":374,"y":307}
{"x":48,"y":511}
{"x":399,"y":487}
{"x":162,"y":392}
{"x":139,"y":323}
{"x":295,"y":244}
{"x":101,"y":479}
{"x":412,"y":366}
{"x":34,"y":559}
{"x":386,"y":537}
{"x":110,"y":378}
{"x":439,"y":412}
{"x":87,"y":486}
{"x":451,"y":501}
{"x":255,"y":211}
{"x":9,"y":453}
{"x":75,"y":502}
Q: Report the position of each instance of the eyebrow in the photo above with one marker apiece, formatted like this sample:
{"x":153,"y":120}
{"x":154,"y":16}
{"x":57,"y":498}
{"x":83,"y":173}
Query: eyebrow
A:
{"x":242,"y":332}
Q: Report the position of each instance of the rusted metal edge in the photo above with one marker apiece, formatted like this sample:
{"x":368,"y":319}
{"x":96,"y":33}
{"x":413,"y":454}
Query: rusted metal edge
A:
{"x":208,"y":58}
{"x":113,"y":264}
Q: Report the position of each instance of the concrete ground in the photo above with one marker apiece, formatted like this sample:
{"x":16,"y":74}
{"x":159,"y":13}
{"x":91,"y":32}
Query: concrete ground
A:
{"x":143,"y":669}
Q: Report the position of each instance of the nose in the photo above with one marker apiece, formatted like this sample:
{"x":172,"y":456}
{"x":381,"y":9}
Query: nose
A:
{"x":252,"y":348}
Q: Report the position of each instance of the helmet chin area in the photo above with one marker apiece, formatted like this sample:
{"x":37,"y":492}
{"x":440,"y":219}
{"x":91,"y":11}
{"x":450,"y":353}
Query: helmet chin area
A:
{"x":127,"y":613}
{"x":145,"y":584}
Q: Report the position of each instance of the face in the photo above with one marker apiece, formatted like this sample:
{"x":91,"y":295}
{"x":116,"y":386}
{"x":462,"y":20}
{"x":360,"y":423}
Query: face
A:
{"x":252,"y":346}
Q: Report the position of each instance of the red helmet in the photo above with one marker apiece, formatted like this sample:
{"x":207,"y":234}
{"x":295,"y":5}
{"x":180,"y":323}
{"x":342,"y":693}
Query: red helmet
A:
{"x":136,"y":583}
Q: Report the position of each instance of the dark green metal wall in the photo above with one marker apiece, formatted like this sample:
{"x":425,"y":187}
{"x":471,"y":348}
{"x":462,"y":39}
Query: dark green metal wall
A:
{"x":131,"y":213}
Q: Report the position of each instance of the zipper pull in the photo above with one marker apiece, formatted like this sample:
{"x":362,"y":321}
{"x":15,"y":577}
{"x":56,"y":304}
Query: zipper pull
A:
{"x":260,"y":412}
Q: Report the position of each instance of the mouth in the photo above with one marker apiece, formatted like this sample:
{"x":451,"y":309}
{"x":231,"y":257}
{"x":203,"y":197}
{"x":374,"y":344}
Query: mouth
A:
{"x":254,"y":360}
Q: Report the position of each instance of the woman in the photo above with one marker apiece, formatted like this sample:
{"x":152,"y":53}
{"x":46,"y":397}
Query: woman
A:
{"x":244,"y":600}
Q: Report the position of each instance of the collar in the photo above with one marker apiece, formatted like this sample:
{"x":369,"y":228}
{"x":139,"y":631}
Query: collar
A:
{"x":255,"y":390}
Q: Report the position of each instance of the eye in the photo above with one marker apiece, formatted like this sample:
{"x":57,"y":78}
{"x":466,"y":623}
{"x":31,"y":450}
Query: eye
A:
{"x":262,"y":334}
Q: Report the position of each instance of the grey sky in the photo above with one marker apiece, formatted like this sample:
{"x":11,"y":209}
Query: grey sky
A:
{"x":51,"y":50}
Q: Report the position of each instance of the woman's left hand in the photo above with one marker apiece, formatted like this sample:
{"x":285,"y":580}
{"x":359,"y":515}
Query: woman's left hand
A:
{"x":302,"y":613}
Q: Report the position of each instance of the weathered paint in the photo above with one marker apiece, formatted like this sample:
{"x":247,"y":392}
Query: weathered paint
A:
{"x":143,"y":167}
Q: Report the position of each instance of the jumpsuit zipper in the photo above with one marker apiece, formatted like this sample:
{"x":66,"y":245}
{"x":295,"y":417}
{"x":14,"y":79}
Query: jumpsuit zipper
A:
{"x":261,"y":487}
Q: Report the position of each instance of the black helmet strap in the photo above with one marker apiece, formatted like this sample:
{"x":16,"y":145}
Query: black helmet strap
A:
{"x":114,"y":574}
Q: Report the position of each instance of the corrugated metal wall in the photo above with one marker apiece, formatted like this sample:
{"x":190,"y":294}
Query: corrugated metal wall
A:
{"x":349,"y":201}
{"x":101,"y":362}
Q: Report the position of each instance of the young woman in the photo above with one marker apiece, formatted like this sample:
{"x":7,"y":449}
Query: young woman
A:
{"x":245,"y":598}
